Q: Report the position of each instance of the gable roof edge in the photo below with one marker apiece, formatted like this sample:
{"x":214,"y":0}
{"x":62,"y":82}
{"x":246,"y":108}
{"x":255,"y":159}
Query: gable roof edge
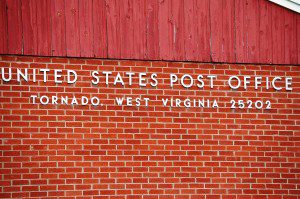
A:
{"x":290,"y":4}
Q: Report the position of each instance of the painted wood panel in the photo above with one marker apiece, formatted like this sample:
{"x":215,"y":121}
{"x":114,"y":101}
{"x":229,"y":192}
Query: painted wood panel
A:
{"x":126,"y":29}
{"x":290,"y":32}
{"x":14,"y":27}
{"x":72,"y":27}
{"x":3,"y":29}
{"x":178,"y":50}
{"x":29,"y":25}
{"x":86,"y":28}
{"x":139,"y":20}
{"x":44,"y":29}
{"x":252,"y":20}
{"x":58,"y":28}
{"x":197,"y":30}
{"x":298,"y":39}
{"x":242,"y":31}
{"x":100,"y":29}
{"x":113,"y":29}
{"x":203,"y":32}
{"x":222,"y":31}
{"x":191,"y":35}
{"x":152,"y":34}
{"x":265,"y":32}
{"x":165,"y":29}
{"x":278,"y":23}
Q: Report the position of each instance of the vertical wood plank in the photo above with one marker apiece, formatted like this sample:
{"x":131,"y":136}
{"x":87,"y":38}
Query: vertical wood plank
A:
{"x":197,"y":30}
{"x":113,"y":29}
{"x":290,"y":37}
{"x":3,"y":29}
{"x":165,"y":30}
{"x":265,"y":32}
{"x":14,"y":27}
{"x":298,"y":39}
{"x":222,"y":31}
{"x":72,"y":28}
{"x":152,"y":30}
{"x":58,"y":24}
{"x":178,"y":30}
{"x":295,"y":42}
{"x":191,"y":38}
{"x":86,"y":28}
{"x":216,"y":13}
{"x":241,"y":33}
{"x":203,"y":29}
{"x":139,"y":29}
{"x":126,"y":29}
{"x":44,"y":27}
{"x":228,"y":38}
{"x":253,"y":20}
{"x":278,"y":34}
{"x":100,"y":32}
{"x":29,"y":23}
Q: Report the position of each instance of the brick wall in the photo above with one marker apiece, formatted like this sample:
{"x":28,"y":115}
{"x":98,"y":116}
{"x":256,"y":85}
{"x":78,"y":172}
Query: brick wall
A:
{"x":111,"y":151}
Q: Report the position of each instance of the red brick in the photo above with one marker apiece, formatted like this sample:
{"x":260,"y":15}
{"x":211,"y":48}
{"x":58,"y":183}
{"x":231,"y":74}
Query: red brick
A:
{"x":148,"y":152}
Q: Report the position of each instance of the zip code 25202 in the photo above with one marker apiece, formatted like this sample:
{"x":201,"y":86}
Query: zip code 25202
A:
{"x":250,"y":104}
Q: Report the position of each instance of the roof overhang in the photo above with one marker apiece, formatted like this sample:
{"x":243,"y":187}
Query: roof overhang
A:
{"x":290,"y":4}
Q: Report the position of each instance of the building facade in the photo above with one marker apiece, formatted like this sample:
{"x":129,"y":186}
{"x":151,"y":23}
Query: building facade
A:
{"x":149,"y":99}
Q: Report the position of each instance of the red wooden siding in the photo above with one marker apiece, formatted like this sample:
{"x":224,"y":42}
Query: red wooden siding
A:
{"x":44,"y":27}
{"x":3,"y":29}
{"x":14,"y":27}
{"x":242,"y":31}
{"x":30,"y":44}
{"x":58,"y":26}
{"x":99,"y":28}
{"x":72,"y":27}
{"x":222,"y":31}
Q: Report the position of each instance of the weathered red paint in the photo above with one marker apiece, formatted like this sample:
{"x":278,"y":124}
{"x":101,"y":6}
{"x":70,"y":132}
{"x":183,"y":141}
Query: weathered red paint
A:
{"x":86,"y":28}
{"x":250,"y":31}
{"x":113,"y":29}
{"x":44,"y":27}
{"x":100,"y":29}
{"x":58,"y":28}
{"x":265,"y":29}
{"x":72,"y":27}
{"x":14,"y":27}
{"x":3,"y":29}
{"x":222,"y":31}
{"x":152,"y":42}
{"x":29,"y":27}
